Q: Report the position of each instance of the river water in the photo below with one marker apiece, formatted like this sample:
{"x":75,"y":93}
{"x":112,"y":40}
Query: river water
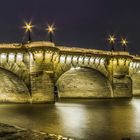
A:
{"x":98,"y":119}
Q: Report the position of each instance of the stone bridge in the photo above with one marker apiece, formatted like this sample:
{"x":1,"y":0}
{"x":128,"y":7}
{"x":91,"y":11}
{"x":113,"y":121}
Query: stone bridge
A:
{"x":29,"y":72}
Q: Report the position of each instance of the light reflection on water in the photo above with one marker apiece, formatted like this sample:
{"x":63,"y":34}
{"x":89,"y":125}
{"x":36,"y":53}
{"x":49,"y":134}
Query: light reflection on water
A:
{"x":89,"y":119}
{"x":73,"y":117}
{"x":136,"y":117}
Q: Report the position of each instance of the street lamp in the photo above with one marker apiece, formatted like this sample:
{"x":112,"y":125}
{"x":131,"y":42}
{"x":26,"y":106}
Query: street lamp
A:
{"x":111,"y":40}
{"x":28,"y":27}
{"x":124,"y":43}
{"x":50,"y":29}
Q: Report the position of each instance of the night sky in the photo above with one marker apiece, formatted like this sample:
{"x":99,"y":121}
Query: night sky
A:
{"x":81,"y":23}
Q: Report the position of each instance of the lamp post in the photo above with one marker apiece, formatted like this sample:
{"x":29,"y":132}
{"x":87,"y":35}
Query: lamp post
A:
{"x":111,"y":40}
{"x":50,"y":29}
{"x":28,"y":27}
{"x":124,"y":43}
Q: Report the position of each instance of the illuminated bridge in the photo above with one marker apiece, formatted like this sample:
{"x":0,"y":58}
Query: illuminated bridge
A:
{"x":29,"y":72}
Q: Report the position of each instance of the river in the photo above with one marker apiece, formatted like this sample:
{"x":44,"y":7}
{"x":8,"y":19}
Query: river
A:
{"x":97,"y":119}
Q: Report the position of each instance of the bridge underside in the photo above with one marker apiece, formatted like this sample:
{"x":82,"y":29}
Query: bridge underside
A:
{"x":83,"y":83}
{"x":12,"y":89}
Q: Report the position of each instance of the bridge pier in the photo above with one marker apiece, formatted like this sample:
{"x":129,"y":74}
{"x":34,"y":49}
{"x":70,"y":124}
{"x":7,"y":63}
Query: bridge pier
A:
{"x":122,"y":86}
{"x":42,"y":87}
{"x":118,"y":69}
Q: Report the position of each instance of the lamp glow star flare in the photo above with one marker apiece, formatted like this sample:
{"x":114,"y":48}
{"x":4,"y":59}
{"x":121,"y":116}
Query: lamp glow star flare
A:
{"x":111,"y":39}
{"x":50,"y":29}
{"x":124,"y":43}
{"x":28,"y":27}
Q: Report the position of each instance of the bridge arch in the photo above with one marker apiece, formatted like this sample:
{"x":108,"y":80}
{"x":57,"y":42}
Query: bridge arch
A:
{"x":61,"y":68}
{"x":12,"y":88}
{"x":19,"y":69}
{"x":83,"y":82}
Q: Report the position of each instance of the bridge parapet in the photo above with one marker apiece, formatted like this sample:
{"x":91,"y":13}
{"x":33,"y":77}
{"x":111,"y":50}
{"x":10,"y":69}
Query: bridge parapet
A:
{"x":40,"y":44}
{"x":90,"y":51}
{"x":10,"y":46}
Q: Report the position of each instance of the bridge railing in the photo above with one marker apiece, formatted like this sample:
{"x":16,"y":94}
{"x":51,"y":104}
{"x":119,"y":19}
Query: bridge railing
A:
{"x":9,"y":46}
{"x":90,"y":51}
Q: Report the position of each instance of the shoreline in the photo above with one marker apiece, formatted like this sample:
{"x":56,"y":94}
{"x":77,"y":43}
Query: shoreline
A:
{"x":17,"y":133}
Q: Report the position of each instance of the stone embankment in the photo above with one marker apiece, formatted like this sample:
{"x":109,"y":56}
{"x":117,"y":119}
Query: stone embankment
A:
{"x":8,"y":132}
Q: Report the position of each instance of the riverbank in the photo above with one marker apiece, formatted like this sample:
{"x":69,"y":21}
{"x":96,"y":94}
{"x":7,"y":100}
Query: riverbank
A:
{"x":8,"y":132}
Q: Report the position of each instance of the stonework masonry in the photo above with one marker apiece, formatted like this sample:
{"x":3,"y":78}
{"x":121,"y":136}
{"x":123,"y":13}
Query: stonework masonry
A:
{"x":30,"y":71}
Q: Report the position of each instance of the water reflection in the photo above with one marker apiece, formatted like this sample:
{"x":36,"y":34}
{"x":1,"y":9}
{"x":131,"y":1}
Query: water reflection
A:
{"x":136,"y":116}
{"x":73,"y":117}
{"x":90,"y":119}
